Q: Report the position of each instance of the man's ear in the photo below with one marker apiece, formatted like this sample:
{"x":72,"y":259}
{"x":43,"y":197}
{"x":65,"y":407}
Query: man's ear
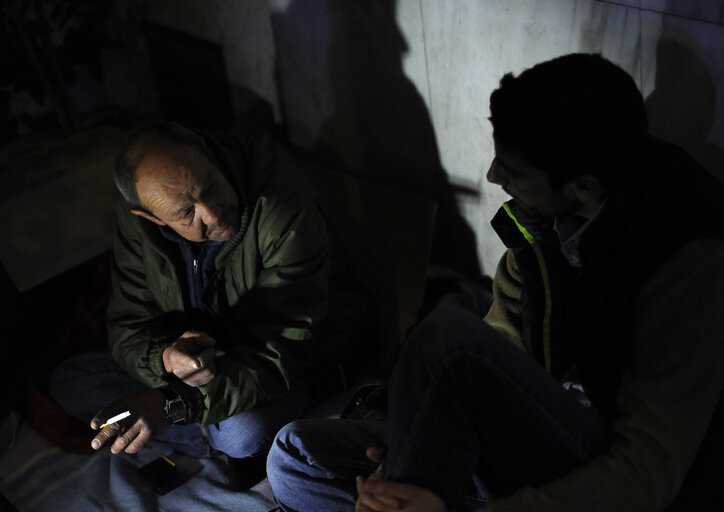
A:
{"x":148,"y":216}
{"x":588,"y":191}
{"x":587,"y":186}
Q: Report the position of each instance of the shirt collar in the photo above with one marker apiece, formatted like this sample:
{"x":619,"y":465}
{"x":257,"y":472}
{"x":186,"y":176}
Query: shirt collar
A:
{"x":570,"y":230}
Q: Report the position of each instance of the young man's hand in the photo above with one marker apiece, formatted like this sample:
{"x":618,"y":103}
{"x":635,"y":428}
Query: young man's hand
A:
{"x":385,"y":496}
{"x":191,"y":358}
{"x":147,"y":419}
{"x":378,"y":495}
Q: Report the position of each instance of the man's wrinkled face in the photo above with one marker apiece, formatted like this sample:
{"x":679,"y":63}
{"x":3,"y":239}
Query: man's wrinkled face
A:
{"x":183,"y":190}
{"x":529,"y":186}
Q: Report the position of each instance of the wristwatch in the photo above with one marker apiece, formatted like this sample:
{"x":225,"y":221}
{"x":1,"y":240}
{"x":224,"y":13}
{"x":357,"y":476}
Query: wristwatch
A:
{"x":175,"y":407}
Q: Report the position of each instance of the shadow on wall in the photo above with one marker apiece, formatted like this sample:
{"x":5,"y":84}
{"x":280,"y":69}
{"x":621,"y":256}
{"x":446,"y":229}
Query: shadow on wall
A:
{"x":681,"y":108}
{"x":379,"y":126}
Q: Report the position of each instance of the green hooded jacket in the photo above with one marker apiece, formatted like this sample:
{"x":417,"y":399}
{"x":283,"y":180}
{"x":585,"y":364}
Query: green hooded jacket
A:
{"x":263,"y":304}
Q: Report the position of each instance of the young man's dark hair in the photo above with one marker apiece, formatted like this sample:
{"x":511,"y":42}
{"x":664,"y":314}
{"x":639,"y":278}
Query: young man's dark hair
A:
{"x":545,"y":114}
{"x":135,"y":147}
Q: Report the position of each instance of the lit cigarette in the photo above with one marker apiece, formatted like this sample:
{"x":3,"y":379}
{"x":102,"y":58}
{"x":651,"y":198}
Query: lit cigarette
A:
{"x":116,"y":418}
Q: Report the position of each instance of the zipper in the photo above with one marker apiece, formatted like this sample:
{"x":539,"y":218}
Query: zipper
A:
{"x":546,"y":328}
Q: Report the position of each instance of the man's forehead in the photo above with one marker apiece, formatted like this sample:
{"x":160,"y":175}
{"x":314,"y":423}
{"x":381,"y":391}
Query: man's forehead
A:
{"x":167,"y":157}
{"x":514,"y":161}
{"x":163,"y":195}
{"x":165,"y":177}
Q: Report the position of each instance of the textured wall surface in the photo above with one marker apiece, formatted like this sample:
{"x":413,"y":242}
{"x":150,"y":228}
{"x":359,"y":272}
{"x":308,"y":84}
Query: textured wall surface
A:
{"x":244,"y":30}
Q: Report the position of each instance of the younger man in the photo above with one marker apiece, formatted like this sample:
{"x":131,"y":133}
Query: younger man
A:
{"x":595,"y":381}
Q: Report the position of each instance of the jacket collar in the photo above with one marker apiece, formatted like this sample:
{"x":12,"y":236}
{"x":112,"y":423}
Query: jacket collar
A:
{"x":509,"y":233}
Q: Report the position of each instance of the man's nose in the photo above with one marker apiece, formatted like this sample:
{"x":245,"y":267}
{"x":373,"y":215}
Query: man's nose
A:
{"x":209,"y":213}
{"x":495,"y":174}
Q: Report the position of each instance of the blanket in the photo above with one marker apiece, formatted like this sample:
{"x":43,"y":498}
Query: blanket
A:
{"x":38,"y":476}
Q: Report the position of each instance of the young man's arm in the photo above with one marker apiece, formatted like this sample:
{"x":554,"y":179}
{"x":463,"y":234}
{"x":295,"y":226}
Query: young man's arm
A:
{"x":666,"y":399}
{"x":504,"y":314}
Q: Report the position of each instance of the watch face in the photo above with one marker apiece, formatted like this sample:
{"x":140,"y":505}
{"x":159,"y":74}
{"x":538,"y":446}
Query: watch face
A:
{"x":175,"y":410}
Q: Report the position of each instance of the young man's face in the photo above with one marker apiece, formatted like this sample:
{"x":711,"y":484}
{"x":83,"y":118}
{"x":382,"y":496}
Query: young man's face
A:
{"x":186,"y":192}
{"x":529,"y":186}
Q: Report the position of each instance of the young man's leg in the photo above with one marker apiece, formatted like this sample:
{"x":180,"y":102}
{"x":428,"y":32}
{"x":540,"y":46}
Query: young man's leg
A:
{"x":465,"y":401}
{"x":313,"y":462}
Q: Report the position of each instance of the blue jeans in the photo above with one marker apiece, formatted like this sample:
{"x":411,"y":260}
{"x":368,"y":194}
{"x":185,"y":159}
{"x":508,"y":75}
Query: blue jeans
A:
{"x":470,"y":417}
{"x":84,"y":384}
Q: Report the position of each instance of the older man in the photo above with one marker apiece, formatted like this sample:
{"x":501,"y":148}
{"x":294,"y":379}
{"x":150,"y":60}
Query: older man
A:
{"x":225,"y":297}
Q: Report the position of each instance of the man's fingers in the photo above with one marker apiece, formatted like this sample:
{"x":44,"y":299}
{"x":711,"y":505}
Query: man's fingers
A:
{"x":182,"y":361}
{"x":124,"y":440}
{"x":385,"y":489}
{"x":198,"y":338}
{"x":196,"y":380}
{"x":202,"y":376}
{"x":205,"y":341}
{"x":375,"y":454}
{"x":359,"y":507}
{"x":104,"y":415}
{"x":131,"y":440}
{"x":373,"y":501}
{"x":183,"y":364}
{"x":104,"y":435}
{"x":141,"y":439}
{"x":190,"y":334}
{"x":199,"y":378}
{"x":206,"y":357}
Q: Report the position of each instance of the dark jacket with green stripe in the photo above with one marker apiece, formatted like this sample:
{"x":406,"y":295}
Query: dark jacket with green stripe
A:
{"x":264,"y":303}
{"x":599,"y":318}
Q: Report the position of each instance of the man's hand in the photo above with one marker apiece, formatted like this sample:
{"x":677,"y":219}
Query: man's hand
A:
{"x":147,"y":419}
{"x":191,"y":358}
{"x":385,"y":496}
{"x":378,"y":495}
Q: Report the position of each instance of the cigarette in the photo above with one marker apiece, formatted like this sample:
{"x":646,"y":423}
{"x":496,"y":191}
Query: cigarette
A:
{"x":116,"y":418}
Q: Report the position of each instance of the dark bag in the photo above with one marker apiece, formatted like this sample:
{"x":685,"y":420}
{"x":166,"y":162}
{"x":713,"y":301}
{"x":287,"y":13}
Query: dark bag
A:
{"x":369,"y":402}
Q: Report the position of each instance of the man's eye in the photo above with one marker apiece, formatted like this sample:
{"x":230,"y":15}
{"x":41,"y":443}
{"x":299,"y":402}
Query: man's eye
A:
{"x":188,"y":213}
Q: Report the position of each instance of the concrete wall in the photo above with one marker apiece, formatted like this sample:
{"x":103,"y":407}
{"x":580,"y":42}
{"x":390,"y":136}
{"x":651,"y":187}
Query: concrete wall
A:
{"x":398,"y":91}
{"x":244,"y":31}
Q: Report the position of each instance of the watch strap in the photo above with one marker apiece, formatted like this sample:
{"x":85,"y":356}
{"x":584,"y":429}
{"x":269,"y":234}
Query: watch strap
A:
{"x":174,"y":406}
{"x":192,"y":397}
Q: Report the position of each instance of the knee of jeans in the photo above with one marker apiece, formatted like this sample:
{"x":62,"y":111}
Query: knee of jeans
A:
{"x":241,"y":436}
{"x":291,"y":440}
{"x":282,"y":455}
{"x":239,"y":445}
{"x":429,"y":341}
{"x":447,"y":331}
{"x":288,"y":437}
